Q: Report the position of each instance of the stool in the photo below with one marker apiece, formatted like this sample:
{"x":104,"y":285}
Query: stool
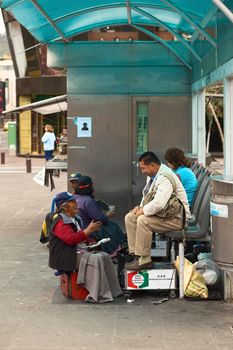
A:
{"x":69,"y":286}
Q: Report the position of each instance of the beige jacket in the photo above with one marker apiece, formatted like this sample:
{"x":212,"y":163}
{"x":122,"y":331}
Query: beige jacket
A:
{"x":164,"y":191}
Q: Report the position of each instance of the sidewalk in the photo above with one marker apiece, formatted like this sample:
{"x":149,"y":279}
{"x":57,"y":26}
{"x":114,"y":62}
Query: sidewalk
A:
{"x":34,"y":315}
{"x":15,"y":164}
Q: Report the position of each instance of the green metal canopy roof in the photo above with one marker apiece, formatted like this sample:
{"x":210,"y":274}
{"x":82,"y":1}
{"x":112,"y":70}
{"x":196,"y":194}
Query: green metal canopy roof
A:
{"x":52,"y":20}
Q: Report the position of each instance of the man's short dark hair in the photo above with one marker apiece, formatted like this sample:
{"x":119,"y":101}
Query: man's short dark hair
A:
{"x":148,"y":158}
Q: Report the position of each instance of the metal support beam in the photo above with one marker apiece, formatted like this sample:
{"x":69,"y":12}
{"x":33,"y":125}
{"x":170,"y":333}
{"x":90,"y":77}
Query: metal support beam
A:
{"x":194,"y":124}
{"x":224,"y":9}
{"x":204,"y":22}
{"x":228,"y":128}
{"x":128,"y":11}
{"x":214,"y":95}
{"x":44,"y":13}
{"x":47,"y":102}
{"x":163,"y":43}
{"x":169,"y":29}
{"x":191,"y":22}
{"x":201,"y":131}
{"x":29,"y":48}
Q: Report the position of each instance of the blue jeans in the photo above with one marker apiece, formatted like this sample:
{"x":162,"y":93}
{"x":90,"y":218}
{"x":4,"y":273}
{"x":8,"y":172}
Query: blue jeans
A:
{"x":48,"y":155}
{"x":111,"y":230}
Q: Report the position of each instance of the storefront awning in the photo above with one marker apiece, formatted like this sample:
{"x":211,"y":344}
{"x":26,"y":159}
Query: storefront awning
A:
{"x":50,"y":105}
{"x":54,"y":108}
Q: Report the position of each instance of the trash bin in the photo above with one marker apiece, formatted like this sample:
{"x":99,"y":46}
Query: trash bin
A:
{"x":193,"y":157}
{"x":12,"y":135}
{"x":221,"y":209}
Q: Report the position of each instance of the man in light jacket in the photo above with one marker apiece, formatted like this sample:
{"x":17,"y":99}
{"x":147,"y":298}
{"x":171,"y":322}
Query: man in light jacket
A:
{"x":142,"y":221}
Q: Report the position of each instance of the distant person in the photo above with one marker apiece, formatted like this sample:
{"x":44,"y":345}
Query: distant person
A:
{"x":48,"y":140}
{"x":177,"y":161}
{"x":74,"y":180}
{"x":64,"y":134}
{"x":89,"y":211}
{"x":62,"y":140}
{"x":85,"y":127}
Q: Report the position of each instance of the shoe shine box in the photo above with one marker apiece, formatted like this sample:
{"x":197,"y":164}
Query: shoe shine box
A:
{"x":162,"y":276}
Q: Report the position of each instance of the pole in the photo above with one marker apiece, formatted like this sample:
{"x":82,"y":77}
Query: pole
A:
{"x":181,"y":268}
{"x":28,"y":163}
{"x":2,"y":157}
{"x":224,"y":9}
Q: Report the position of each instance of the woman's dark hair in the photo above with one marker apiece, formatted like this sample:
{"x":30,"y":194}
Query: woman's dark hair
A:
{"x":176,"y":157}
{"x":148,"y":158}
{"x":85,"y":186}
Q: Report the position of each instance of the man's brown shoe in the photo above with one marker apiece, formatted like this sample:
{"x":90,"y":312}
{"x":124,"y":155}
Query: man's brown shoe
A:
{"x":134,"y":266}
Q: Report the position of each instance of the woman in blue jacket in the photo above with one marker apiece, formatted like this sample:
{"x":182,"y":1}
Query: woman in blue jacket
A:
{"x":177,"y":161}
{"x":89,"y":210}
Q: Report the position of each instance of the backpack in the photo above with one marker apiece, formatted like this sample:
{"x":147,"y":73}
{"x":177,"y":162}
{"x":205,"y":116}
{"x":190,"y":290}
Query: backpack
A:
{"x":44,"y":238}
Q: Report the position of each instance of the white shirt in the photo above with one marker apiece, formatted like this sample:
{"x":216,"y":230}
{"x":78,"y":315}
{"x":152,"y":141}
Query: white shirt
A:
{"x":48,"y":140}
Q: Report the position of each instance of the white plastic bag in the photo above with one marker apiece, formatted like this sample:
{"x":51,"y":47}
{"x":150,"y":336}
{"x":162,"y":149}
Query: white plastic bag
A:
{"x":39,"y":178}
{"x":208,"y":270}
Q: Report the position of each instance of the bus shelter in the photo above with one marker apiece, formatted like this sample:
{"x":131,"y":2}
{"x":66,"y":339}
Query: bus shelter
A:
{"x":125,"y":97}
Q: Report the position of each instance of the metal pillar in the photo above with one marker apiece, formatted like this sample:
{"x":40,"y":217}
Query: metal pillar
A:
{"x":201,"y":129}
{"x":194,"y":124}
{"x":181,"y":268}
{"x":28,"y":163}
{"x":224,"y":9}
{"x":2,"y":157}
{"x":228,"y":128}
{"x":228,"y":286}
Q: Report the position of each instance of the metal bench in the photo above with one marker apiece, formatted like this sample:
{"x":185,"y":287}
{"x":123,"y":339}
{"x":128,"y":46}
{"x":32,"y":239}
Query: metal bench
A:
{"x":194,"y":166}
{"x":199,"y":195}
{"x":197,"y":229}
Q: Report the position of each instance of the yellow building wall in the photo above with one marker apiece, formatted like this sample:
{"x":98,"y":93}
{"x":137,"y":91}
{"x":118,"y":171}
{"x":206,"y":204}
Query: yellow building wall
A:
{"x":25,"y":143}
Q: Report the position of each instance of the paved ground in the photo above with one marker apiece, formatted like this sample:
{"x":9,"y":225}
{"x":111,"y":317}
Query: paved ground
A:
{"x":34,"y":316}
{"x":15,"y":165}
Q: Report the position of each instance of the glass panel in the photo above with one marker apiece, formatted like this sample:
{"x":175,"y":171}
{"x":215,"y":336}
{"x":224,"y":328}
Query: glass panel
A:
{"x":73,"y":17}
{"x":142,"y":126}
